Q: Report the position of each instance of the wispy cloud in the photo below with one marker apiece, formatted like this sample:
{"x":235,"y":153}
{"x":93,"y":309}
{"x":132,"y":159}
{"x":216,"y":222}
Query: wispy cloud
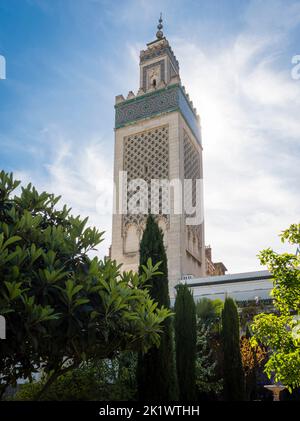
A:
{"x":249,"y":111}
{"x":243,"y":90}
{"x":82,"y":176}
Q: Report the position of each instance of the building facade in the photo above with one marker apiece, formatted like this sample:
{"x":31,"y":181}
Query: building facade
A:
{"x":213,"y":268}
{"x":158,"y":139}
{"x":242,"y":287}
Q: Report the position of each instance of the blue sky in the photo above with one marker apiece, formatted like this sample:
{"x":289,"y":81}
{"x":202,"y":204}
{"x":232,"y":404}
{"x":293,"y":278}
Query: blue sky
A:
{"x":67,"y":59}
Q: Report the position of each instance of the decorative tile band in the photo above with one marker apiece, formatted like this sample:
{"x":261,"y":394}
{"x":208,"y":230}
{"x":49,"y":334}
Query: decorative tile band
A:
{"x":165,"y":100}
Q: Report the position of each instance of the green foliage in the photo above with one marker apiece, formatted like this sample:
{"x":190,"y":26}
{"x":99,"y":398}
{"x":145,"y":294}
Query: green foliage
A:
{"x":61,"y":306}
{"x":209,"y":312}
{"x":105,"y":380}
{"x":80,"y":384}
{"x":156,"y":370}
{"x":247,"y":314}
{"x":280,"y":331}
{"x":234,"y":382}
{"x":185,"y":339}
{"x":209,"y":362}
{"x":123,"y":387}
{"x":207,"y":380}
{"x":152,"y":247}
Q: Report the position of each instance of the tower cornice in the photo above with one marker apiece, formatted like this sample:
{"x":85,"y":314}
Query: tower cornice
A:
{"x":169,"y":99}
{"x":157,"y":48}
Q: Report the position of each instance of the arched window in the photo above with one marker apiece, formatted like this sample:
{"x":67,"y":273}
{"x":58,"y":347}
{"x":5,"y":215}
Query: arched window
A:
{"x":131,"y":240}
{"x":154,"y":83}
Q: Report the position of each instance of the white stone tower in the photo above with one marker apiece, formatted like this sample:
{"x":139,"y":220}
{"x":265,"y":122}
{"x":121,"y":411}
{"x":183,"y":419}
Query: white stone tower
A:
{"x":157,"y":136}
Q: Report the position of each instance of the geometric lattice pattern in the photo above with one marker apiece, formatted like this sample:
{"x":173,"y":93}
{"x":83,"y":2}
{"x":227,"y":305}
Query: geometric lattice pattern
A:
{"x":192,"y":170}
{"x":146,"y":156}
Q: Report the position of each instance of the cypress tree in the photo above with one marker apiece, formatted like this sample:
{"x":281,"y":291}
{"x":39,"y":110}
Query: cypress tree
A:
{"x":185,"y":339}
{"x":234,"y":381}
{"x":156,"y":370}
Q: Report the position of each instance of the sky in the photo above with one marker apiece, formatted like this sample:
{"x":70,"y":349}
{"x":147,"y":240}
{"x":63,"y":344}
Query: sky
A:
{"x":66,"y":60}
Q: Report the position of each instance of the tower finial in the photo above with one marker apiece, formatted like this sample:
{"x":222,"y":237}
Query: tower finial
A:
{"x":159,"y":33}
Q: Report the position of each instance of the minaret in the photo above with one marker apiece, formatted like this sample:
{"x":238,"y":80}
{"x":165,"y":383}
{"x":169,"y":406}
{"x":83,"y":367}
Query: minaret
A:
{"x":158,"y":137}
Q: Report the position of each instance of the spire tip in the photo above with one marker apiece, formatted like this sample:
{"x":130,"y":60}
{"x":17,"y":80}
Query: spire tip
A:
{"x":159,"y":33}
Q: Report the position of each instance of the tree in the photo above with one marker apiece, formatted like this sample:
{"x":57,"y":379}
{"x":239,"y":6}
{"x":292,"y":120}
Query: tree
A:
{"x":280,"y":331}
{"x":206,"y":374}
{"x":185,"y":339}
{"x":252,"y":359}
{"x":156,"y":370}
{"x":80,"y":384}
{"x":101,"y":380}
{"x":209,"y":311}
{"x":209,"y":363}
{"x":234,"y":383}
{"x":61,"y":306}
